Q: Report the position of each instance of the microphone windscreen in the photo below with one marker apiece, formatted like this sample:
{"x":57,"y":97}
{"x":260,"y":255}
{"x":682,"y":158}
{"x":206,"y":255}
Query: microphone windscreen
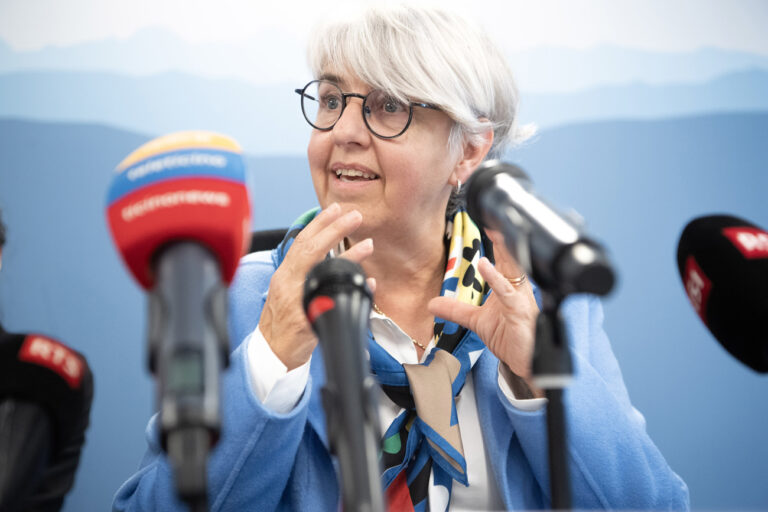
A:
{"x":330,"y":277}
{"x":723,"y":263}
{"x":482,"y":180}
{"x":41,"y":370}
{"x":26,"y":436}
{"x":187,"y":186}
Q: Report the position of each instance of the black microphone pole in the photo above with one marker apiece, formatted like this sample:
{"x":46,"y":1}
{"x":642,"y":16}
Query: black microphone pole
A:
{"x":188,"y":349}
{"x":562,"y":261}
{"x":338,"y":305}
{"x":552,"y":371}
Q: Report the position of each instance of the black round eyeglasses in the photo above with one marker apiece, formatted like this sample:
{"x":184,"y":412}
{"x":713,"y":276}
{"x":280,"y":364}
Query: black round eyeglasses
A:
{"x":387,"y":117}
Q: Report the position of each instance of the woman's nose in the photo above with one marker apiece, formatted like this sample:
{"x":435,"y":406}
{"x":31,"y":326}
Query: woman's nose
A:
{"x":351,"y":128}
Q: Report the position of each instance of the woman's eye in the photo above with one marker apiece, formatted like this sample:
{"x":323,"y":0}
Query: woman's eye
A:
{"x":392,"y":107}
{"x":332,"y":102}
{"x":388,"y":105}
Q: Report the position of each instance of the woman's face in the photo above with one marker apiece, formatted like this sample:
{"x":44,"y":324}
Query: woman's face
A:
{"x":406,"y":180}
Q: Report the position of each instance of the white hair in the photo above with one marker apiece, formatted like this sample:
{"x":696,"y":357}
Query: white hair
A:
{"x":430,"y":55}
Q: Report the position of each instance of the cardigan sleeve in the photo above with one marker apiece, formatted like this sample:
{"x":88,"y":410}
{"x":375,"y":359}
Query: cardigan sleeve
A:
{"x":613,"y":462}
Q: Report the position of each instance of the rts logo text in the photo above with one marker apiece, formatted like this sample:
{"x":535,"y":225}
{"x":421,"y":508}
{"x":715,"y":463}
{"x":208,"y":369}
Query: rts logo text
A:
{"x":751,"y":242}
{"x":697,"y":286}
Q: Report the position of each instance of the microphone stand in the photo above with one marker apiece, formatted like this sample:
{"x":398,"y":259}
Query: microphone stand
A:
{"x":350,"y":409}
{"x":350,"y":392}
{"x":562,"y":260}
{"x":552,"y":370}
{"x":188,"y":348}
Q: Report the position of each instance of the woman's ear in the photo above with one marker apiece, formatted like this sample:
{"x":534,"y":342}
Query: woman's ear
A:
{"x":471,"y":157}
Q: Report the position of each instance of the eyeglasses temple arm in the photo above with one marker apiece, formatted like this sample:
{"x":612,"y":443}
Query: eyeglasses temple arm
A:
{"x":301,"y":92}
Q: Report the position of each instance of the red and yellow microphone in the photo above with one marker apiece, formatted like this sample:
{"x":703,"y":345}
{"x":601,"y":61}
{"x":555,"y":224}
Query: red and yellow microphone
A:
{"x":179,"y":214}
{"x":183,"y":186}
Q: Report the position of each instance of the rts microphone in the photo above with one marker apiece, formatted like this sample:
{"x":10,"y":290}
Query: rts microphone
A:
{"x":723,"y":262}
{"x":46,"y":389}
{"x":338,"y":305}
{"x":550,"y":247}
{"x":179,"y":214}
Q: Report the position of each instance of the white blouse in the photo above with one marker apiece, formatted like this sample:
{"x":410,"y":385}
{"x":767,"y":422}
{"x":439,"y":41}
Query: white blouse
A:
{"x":279,"y":390}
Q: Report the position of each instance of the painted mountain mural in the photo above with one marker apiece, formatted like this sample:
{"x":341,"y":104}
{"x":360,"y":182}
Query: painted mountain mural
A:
{"x":636,"y":182}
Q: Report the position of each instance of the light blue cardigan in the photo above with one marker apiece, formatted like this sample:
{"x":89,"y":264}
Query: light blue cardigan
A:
{"x":267,"y":461}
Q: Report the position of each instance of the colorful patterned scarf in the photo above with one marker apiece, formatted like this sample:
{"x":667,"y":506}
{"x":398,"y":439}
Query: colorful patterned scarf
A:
{"x":425,"y":440}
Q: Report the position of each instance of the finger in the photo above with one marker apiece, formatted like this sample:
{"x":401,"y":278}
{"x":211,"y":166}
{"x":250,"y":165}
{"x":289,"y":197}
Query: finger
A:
{"x":322,"y":219}
{"x":315,"y":246}
{"x":359,"y":251}
{"x":371,"y":282}
{"x":502,"y":288}
{"x":454,"y":311}
{"x":505,"y":262}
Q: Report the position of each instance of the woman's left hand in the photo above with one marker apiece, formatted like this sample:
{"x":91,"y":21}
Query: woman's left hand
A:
{"x":506,"y":322}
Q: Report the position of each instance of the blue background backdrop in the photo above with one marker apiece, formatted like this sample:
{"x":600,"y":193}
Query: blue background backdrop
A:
{"x":636,"y":158}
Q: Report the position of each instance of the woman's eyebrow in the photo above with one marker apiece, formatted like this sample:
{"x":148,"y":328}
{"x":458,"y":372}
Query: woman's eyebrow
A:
{"x":331,"y":78}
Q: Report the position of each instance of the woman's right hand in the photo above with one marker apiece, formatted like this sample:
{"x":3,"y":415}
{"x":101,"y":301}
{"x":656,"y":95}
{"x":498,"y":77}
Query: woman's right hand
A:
{"x":283,"y":322}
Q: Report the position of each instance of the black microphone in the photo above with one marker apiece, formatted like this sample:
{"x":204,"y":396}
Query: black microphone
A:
{"x":46,"y":389}
{"x":562,"y":260}
{"x":550,"y":247}
{"x":338,"y":305}
{"x":723,"y":262}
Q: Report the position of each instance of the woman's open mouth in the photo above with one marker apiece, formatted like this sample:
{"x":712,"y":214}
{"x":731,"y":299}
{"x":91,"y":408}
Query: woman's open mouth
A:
{"x":350,"y":175}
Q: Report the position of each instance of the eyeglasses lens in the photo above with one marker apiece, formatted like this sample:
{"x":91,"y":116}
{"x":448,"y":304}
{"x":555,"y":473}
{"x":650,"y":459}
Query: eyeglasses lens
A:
{"x":323,"y":102}
{"x":387,"y":116}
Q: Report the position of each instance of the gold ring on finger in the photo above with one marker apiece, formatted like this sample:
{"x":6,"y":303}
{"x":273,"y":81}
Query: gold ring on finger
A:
{"x":517,"y":281}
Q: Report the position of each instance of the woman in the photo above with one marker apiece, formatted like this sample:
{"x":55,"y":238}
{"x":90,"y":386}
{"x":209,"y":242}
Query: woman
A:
{"x":406,"y":103}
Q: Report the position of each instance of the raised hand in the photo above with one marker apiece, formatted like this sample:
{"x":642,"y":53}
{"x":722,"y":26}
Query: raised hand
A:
{"x":283,"y":322}
{"x":506,"y":322}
